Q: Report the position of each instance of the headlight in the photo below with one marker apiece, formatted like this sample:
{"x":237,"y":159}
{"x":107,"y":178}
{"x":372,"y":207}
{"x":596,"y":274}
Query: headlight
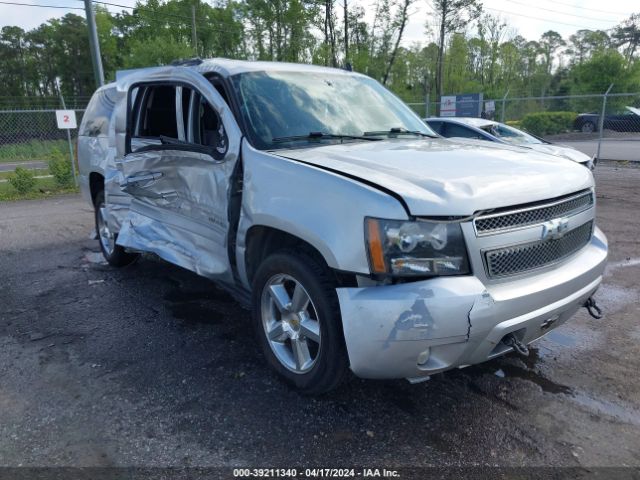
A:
{"x":415,"y":248}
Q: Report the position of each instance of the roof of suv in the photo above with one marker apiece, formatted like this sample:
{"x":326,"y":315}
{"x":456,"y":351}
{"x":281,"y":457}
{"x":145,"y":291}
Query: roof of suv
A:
{"x":227,"y":67}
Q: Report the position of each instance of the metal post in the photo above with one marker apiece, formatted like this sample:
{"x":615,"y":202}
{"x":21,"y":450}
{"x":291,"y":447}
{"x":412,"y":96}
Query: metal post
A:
{"x":504,"y":101}
{"x":601,"y":122}
{"x":427,"y":106}
{"x":73,"y":164}
{"x":94,"y":44}
{"x":346,"y":32}
{"x":194,"y":34}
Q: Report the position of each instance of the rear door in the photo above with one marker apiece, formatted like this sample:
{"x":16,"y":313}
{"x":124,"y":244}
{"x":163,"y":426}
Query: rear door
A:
{"x":181,"y":148}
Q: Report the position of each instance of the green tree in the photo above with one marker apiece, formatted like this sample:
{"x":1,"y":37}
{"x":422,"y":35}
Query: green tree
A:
{"x":452,"y":15}
{"x":156,"y":51}
{"x":603,"y":69}
{"x":627,"y":36}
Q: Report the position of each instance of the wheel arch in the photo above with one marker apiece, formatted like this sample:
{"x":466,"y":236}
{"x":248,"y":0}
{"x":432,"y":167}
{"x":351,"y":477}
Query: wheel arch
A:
{"x":96,"y":184}
{"x":263,"y":240}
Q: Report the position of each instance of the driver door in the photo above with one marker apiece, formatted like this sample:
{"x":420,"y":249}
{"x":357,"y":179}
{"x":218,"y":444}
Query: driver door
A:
{"x":181,"y":148}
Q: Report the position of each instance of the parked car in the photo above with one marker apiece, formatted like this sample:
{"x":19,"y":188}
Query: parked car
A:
{"x":482,"y":129}
{"x":627,"y":120}
{"x":358,"y":237}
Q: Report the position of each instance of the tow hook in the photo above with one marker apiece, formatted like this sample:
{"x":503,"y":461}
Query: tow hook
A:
{"x":512,"y":341}
{"x":592,"y":307}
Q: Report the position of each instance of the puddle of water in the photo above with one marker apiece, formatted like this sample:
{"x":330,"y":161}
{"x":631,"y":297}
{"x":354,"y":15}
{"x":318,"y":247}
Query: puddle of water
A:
{"x":509,"y":370}
{"x":561,"y":338}
{"x":569,"y":337}
{"x":604,"y":407}
{"x":613,"y":297}
{"x":547,"y":386}
{"x":630,"y":262}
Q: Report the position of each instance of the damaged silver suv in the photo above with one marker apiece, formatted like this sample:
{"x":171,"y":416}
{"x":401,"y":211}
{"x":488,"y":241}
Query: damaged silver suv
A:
{"x":360,"y":239}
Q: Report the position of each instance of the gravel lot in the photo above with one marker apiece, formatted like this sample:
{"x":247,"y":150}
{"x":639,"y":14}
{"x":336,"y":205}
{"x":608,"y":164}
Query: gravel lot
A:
{"x":153,"y":366}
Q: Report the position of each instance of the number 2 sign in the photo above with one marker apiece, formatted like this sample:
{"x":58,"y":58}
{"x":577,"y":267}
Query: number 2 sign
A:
{"x":66,"y":119}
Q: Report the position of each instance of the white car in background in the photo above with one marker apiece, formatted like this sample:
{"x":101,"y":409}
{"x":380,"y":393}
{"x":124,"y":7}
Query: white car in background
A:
{"x":492,"y":131}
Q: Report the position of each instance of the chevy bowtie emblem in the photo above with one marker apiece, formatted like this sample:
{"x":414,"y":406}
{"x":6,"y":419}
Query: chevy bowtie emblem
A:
{"x":555,"y":228}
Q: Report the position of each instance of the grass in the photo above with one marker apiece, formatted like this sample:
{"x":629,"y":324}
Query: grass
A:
{"x":34,"y":150}
{"x":45,"y":187}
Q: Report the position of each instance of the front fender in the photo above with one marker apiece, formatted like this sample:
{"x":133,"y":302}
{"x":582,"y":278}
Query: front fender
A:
{"x":323,"y":208}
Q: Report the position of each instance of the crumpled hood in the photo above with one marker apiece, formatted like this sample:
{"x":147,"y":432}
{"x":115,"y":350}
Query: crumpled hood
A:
{"x":444,"y":177}
{"x":560,"y":151}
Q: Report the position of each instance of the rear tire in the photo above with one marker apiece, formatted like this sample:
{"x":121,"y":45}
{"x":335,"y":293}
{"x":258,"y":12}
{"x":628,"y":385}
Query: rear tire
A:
{"x":297,"y":321}
{"x":114,"y":254}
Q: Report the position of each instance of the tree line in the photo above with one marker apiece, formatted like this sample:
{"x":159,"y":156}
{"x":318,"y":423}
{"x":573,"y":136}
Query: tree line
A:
{"x":465,"y":49}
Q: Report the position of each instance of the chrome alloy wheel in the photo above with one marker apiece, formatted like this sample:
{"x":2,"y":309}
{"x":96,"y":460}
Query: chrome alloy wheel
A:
{"x":291,"y":323}
{"x":106,"y":237}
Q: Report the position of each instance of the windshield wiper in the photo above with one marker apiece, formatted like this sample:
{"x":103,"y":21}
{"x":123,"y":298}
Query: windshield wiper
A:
{"x":399,"y":131}
{"x":320,"y":135}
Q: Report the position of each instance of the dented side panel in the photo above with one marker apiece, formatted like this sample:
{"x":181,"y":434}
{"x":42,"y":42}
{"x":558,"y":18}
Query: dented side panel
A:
{"x":178,"y":208}
{"x":179,"y":197}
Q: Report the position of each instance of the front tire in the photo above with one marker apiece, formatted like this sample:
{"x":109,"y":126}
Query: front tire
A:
{"x":588,"y":127}
{"x":297,"y":321}
{"x":114,"y":254}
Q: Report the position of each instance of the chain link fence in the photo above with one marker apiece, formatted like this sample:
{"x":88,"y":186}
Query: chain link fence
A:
{"x":31,"y":140}
{"x":605,"y":125}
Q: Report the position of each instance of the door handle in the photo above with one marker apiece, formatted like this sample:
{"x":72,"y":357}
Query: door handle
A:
{"x":147,"y":177}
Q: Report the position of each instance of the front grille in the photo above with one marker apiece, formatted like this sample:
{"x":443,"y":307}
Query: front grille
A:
{"x":533,"y":215}
{"x":529,"y":256}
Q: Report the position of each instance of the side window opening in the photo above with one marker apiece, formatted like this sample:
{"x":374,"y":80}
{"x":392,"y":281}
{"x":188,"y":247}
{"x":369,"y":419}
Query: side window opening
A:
{"x":159,"y":113}
{"x":163,"y":113}
{"x":221,"y":91}
{"x":212,"y":133}
{"x":206,"y":127}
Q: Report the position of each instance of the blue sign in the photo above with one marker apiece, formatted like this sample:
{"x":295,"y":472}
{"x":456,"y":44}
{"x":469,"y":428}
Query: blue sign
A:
{"x":469,"y":105}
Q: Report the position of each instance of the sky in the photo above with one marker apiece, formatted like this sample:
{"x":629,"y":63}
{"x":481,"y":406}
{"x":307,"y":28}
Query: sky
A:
{"x":529,"y":19}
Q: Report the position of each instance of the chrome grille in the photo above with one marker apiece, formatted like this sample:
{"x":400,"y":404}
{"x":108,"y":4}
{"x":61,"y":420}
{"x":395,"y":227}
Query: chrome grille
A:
{"x":487,"y":224}
{"x":529,"y":256}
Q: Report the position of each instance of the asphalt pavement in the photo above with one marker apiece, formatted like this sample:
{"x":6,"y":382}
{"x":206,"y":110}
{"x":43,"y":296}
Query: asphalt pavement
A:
{"x":11,"y":166}
{"x":152,"y":366}
{"x":611,"y":149}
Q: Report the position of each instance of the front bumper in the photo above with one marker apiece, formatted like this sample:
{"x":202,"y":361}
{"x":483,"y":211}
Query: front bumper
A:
{"x":412,"y":330}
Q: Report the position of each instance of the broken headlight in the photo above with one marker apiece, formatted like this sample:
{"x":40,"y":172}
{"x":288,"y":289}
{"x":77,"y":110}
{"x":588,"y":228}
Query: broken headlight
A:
{"x":415,"y":248}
